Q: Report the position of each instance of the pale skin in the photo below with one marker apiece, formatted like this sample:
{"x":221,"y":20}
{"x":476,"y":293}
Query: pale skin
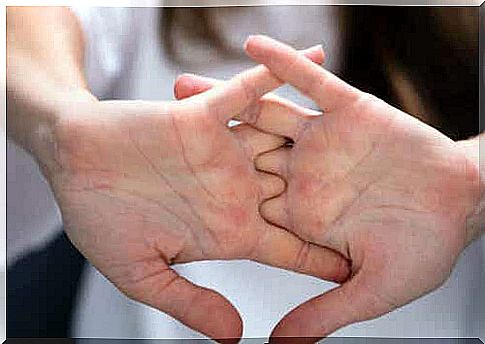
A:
{"x":144,"y":185}
{"x":394,"y":196}
{"x":133,"y":213}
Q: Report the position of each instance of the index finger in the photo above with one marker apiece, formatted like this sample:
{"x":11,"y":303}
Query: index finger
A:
{"x":326,"y":89}
{"x":236,"y":96}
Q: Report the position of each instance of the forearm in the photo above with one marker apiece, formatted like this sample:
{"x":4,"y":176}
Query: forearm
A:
{"x":44,"y":74}
{"x":476,"y":220}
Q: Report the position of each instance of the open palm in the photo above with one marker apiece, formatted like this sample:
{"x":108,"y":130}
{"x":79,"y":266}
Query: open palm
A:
{"x":383,"y":189}
{"x":143,"y":185}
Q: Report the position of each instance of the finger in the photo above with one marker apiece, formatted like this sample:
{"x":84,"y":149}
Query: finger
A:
{"x":281,"y":117}
{"x":237,"y":95}
{"x":324,"y":314}
{"x":188,"y":85}
{"x":283,"y":249}
{"x":275,"y":161}
{"x":256,"y":141}
{"x":275,"y":212}
{"x":327,"y":90}
{"x":271,"y":185}
{"x":272,"y":113}
{"x":190,"y":304}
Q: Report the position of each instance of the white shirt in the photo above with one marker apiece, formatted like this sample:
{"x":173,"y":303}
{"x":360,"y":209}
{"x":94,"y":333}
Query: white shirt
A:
{"x":125,"y":60}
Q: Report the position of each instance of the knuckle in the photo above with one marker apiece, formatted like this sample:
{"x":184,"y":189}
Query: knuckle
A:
{"x":291,"y":65}
{"x":249,"y":89}
{"x":140,"y":286}
{"x":301,"y":259}
{"x":252,"y":110}
{"x":317,"y":84}
{"x":252,"y":113}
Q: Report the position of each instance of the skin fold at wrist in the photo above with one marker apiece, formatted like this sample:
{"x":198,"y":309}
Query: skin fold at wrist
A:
{"x":33,"y":119}
{"x":475,"y":221}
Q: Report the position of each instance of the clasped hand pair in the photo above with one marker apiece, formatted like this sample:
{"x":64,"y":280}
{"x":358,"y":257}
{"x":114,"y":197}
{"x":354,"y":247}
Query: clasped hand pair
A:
{"x":367,"y":196}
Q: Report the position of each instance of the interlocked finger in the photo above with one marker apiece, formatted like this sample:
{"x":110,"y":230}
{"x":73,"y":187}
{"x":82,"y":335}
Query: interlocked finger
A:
{"x":275,"y":162}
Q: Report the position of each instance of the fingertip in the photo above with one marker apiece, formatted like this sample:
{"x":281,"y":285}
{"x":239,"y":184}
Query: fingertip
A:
{"x":338,"y":268}
{"x":218,"y":320}
{"x":188,"y":85}
{"x":249,"y":41}
{"x":282,"y":334}
{"x":208,"y":312}
{"x":182,"y":83}
{"x":229,"y":340}
{"x":253,"y":44}
{"x":321,"y":316}
{"x":226,"y":325}
{"x":315,"y":53}
{"x":343,"y":271}
{"x":293,"y":340}
{"x":273,"y":211}
{"x":233,"y":334}
{"x":184,"y":77}
{"x":328,"y":265}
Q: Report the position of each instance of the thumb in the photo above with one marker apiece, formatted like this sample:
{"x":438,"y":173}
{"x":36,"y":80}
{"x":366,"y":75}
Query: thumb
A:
{"x":199,"y":308}
{"x":319,"y":317}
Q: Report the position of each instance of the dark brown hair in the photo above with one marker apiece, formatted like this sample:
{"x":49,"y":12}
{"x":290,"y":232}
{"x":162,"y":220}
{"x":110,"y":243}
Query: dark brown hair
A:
{"x":432,"y":49}
{"x":195,"y":24}
{"x":423,"y":60}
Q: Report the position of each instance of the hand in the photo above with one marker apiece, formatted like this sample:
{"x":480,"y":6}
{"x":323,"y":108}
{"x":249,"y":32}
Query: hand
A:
{"x":142,"y":185}
{"x":386,"y":191}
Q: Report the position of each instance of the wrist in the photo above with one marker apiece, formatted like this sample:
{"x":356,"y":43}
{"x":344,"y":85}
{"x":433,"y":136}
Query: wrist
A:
{"x":476,"y":219}
{"x":42,"y":139}
{"x":36,"y":102}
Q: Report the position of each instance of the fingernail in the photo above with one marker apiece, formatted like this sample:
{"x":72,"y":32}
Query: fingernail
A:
{"x":315,"y":53}
{"x":252,"y":46}
{"x":315,"y":48}
{"x":250,"y":38}
{"x":181,"y":81}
